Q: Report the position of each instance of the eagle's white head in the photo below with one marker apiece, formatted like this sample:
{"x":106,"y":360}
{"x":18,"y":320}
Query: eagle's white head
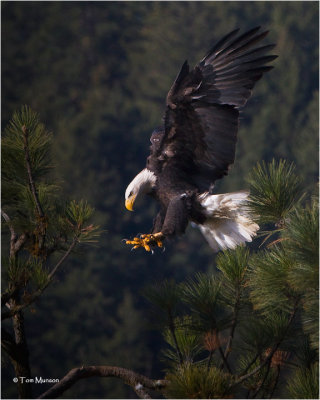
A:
{"x":143,"y":183}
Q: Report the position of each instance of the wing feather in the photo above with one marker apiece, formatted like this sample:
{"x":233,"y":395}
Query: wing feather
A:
{"x":202,"y":115}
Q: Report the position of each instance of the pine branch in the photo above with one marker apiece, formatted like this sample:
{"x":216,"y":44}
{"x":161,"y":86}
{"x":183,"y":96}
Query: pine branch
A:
{"x":15,"y":242}
{"x":16,"y":347}
{"x":21,"y":363}
{"x":274,"y":349}
{"x":274,"y":191}
{"x":13,"y":235}
{"x":141,"y":392}
{"x":42,"y":222}
{"x":6,"y":296}
{"x":225,"y":362}
{"x":230,"y":339}
{"x":15,"y":246}
{"x":173,"y":333}
{"x":251,"y":363}
{"x":28,"y":165}
{"x":233,"y":265}
{"x":60,"y":262}
{"x":8,"y":344}
{"x":257,"y":369}
{"x":209,"y":359}
{"x":20,"y":242}
{"x":233,"y":325}
{"x":263,"y":380}
{"x":275,"y":382}
{"x":14,"y":310}
{"x":138,"y":382}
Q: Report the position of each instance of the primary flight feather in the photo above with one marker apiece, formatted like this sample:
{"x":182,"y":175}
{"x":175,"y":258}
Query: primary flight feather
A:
{"x":196,"y":146}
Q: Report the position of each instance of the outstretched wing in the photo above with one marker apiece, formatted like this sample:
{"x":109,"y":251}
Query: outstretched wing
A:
{"x":202,"y":117}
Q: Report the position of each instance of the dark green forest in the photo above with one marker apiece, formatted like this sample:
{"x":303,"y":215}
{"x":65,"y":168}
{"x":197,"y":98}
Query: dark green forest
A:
{"x":98,"y":74}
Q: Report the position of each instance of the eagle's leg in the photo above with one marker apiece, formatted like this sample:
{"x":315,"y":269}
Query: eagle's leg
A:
{"x":147,"y":241}
{"x":153,"y":239}
{"x":173,"y":222}
{"x":177,"y":216}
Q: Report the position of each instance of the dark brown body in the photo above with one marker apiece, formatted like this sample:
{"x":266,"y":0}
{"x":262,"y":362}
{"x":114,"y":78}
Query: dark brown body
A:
{"x":196,"y":144}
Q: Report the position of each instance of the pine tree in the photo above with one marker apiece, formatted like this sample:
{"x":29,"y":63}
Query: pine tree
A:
{"x":251,"y":328}
{"x":43,"y":230}
{"x":248,"y":329}
{"x":105,"y":70}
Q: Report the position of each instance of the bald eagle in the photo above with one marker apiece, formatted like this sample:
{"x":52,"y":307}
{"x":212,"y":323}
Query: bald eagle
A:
{"x":196,"y":144}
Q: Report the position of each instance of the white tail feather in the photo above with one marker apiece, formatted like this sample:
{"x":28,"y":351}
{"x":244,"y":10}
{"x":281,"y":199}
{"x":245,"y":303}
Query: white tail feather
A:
{"x":227,"y":224}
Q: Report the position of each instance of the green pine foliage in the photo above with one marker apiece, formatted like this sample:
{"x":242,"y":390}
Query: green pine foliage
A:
{"x":305,"y":383}
{"x":42,"y":229}
{"x":289,"y":267}
{"x":25,"y":125}
{"x":254,"y":338}
{"x":234,"y":268}
{"x":251,"y":327}
{"x":198,"y":382}
{"x":301,"y":240}
{"x":188,"y":341}
{"x":259,"y":382}
{"x":165,"y":295}
{"x":270,"y":289}
{"x":203,"y":297}
{"x":234,"y":265}
{"x":274,"y":190}
{"x":19,"y":273}
{"x":23,"y":132}
{"x":98,"y":73}
{"x":78,"y":213}
{"x":31,"y":196}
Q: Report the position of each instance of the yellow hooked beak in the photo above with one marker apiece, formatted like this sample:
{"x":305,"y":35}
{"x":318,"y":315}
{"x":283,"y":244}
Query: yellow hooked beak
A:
{"x":129,"y":202}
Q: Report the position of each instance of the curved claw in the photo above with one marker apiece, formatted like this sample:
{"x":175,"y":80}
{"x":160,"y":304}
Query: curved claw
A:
{"x":147,"y":241}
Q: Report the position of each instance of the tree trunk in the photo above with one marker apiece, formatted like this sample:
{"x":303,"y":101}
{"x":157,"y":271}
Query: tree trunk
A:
{"x":21,"y":361}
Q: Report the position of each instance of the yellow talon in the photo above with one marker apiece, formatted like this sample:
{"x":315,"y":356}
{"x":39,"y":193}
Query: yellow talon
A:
{"x":135,"y":242}
{"x":147,"y":241}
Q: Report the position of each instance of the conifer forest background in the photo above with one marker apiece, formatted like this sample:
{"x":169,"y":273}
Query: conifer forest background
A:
{"x":98,"y":73}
